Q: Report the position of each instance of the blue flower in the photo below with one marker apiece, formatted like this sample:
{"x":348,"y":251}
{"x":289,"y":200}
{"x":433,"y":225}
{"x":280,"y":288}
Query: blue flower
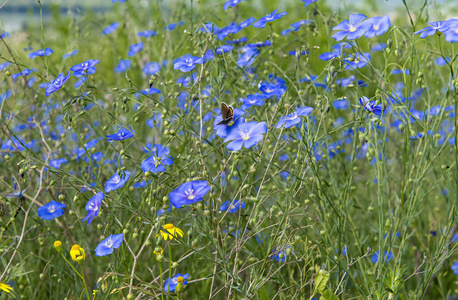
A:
{"x":379,"y":47}
{"x":57,"y":84}
{"x":121,"y":135}
{"x":147,"y":33}
{"x":187,"y":63}
{"x":106,"y":246}
{"x":93,"y":207}
{"x":353,"y":29}
{"x":174,"y":282}
{"x":261,"y":23}
{"x":156,"y":163}
{"x":223,"y":49}
{"x":246,"y":23}
{"x":246,"y":134}
{"x":370,"y":106}
{"x":110,"y":28}
{"x":57,"y":163}
{"x":375,"y":257}
{"x":189,"y":193}
{"x":70,"y":54}
{"x":41,"y":53}
{"x":341,"y":104}
{"x":120,"y":1}
{"x":4,"y":65}
{"x":308,"y":2}
{"x":135,"y":48}
{"x":51,"y":210}
{"x":232,"y":207}
{"x":279,"y":254}
{"x":252,"y":100}
{"x":451,"y":32}
{"x":294,"y":118}
{"x":124,"y":65}
{"x":223,"y":130}
{"x":231,"y":3}
{"x":357,"y":61}
{"x":440,"y":26}
{"x":116,"y":181}
{"x":380,"y":25}
{"x":87,"y":67}
{"x":248,"y":57}
{"x":151,"y":68}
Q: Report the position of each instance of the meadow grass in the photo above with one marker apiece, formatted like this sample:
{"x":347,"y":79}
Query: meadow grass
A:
{"x":350,"y":199}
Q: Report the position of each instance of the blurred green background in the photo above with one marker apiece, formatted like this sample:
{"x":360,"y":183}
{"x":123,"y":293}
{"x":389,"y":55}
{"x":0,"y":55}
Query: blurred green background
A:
{"x":16,"y":15}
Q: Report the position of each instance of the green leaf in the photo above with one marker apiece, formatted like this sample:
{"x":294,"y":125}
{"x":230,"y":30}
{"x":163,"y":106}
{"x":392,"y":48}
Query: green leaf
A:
{"x":328,"y":295}
{"x":320,"y":282}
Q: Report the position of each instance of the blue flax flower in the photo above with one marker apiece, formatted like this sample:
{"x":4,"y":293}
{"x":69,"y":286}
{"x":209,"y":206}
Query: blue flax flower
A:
{"x":57,"y":163}
{"x":187,"y":63}
{"x":308,"y":2}
{"x":357,"y":61}
{"x":57,"y":84}
{"x":252,"y":100}
{"x":371,"y":107}
{"x":156,"y":163}
{"x":189,"y":193}
{"x":294,"y":118}
{"x":246,"y":134}
{"x":87,"y":67}
{"x":353,"y":29}
{"x":151,"y":68}
{"x":232,"y":207}
{"x":223,"y":130}
{"x":451,"y":34}
{"x":376,"y":255}
{"x":93,"y":207}
{"x":41,"y":53}
{"x":121,"y":135}
{"x":279,"y":254}
{"x":174,"y":282}
{"x":231,"y":3}
{"x":147,"y":33}
{"x":110,"y":28}
{"x":106,"y":246}
{"x":261,"y":23}
{"x":124,"y":65}
{"x":380,"y":25}
{"x":116,"y":181}
{"x":51,"y":210}
{"x":435,"y":27}
{"x":247,"y":57}
{"x":135,"y":48}
{"x":455,"y":268}
{"x":70,"y":54}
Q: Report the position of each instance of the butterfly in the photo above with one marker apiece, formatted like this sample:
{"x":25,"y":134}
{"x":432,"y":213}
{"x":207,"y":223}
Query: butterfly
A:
{"x":227,"y":113}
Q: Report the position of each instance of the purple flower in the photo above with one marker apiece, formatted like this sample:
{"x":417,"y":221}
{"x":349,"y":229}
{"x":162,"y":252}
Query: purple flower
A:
{"x":116,"y":181}
{"x":232,"y":207}
{"x":147,"y":33}
{"x":41,"y":53}
{"x":223,"y":130}
{"x":51,"y":210}
{"x":151,"y":68}
{"x":189,"y":193}
{"x":174,"y":282}
{"x":110,"y":28}
{"x":121,"y":135}
{"x":187,"y":63}
{"x":294,"y":118}
{"x":371,"y":107}
{"x":353,"y":29}
{"x":246,"y":134}
{"x":231,"y":3}
{"x":57,"y":84}
{"x":156,"y":163}
{"x":380,"y":25}
{"x":87,"y":67}
{"x":106,"y":246}
{"x":93,"y":207}
{"x":124,"y":65}
{"x":135,"y":48}
{"x":261,"y":23}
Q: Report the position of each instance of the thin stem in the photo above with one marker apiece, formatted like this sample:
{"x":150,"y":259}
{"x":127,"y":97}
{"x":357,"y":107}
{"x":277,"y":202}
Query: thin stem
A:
{"x":84,"y":281}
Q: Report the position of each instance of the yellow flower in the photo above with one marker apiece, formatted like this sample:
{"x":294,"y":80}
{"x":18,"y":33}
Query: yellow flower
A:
{"x":58,"y":246}
{"x":171,"y":232}
{"x":5,"y":287}
{"x":77,"y":253}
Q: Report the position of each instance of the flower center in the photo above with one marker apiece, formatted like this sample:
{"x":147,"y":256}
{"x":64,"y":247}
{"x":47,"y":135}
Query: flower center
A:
{"x":51,"y":209}
{"x":190,"y":194}
{"x":189,"y":62}
{"x":117,"y":179}
{"x":109,"y":243}
{"x":376,"y":27}
{"x":168,"y":226}
{"x":245,"y":135}
{"x":352,"y":28}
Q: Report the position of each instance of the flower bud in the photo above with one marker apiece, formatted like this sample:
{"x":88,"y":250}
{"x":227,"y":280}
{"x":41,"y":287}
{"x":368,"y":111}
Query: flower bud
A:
{"x":58,"y":246}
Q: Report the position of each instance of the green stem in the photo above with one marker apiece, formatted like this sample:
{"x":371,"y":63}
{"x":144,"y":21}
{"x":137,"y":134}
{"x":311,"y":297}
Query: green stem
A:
{"x":162,"y":281}
{"x":170,"y":270}
{"x":84,"y":281}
